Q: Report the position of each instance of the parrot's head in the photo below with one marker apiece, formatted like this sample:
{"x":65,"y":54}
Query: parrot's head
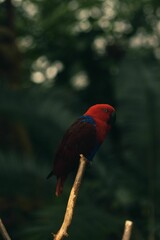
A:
{"x":103,"y":112}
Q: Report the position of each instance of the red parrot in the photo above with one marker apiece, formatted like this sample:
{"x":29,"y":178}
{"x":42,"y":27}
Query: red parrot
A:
{"x":83,"y":137}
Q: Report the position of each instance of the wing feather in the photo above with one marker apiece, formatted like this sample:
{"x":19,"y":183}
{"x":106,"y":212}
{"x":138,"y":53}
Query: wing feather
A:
{"x":79,"y":138}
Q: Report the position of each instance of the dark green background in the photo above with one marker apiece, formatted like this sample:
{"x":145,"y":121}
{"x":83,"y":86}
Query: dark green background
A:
{"x":57,"y":58}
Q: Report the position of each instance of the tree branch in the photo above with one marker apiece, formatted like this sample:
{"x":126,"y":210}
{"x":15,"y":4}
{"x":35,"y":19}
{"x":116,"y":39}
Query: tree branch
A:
{"x":4,"y":231}
{"x":127,"y":230}
{"x":72,"y":200}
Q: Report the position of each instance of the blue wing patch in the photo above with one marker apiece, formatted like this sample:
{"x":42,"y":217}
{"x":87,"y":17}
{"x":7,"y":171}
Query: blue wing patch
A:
{"x":88,"y":119}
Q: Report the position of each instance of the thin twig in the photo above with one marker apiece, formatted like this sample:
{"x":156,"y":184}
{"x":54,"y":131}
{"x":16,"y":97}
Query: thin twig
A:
{"x":72,"y":201}
{"x":4,"y":231}
{"x":127,"y":230}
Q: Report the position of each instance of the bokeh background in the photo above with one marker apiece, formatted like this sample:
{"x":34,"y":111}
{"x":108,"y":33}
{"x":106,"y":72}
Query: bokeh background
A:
{"x":56,"y":59}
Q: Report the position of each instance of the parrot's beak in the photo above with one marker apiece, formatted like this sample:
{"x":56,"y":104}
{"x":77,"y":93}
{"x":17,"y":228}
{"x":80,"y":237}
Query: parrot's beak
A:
{"x":112,"y":118}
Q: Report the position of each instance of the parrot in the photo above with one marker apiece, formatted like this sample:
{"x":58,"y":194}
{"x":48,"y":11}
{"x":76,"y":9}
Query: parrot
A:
{"x":84,"y":136}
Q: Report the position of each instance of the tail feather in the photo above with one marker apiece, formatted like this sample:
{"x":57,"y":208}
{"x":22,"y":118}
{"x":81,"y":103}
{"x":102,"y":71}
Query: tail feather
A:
{"x":59,"y":185}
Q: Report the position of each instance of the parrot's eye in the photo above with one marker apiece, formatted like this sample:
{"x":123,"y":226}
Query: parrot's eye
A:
{"x":105,"y":110}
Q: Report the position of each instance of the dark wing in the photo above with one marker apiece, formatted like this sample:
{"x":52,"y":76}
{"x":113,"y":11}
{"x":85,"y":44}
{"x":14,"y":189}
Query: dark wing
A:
{"x":80,"y":138}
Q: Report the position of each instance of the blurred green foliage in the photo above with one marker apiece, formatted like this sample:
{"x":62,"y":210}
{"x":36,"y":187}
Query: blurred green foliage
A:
{"x":57,"y":59}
